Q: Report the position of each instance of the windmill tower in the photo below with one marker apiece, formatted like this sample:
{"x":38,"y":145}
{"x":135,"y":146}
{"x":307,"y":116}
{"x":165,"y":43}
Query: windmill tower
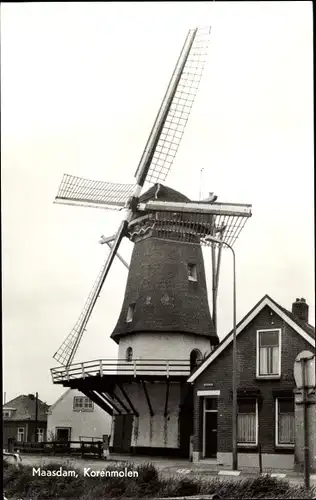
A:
{"x":165,"y":326}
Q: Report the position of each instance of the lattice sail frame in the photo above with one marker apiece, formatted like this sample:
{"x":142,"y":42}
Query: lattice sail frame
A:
{"x":180,"y":109}
{"x":99,"y":194}
{"x":74,"y":337}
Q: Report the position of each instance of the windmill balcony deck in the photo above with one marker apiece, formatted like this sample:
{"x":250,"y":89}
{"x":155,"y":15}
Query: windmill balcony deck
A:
{"x":120,"y":368}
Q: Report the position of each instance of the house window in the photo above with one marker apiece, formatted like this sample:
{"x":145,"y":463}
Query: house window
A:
{"x":40,"y":435}
{"x":20,"y":436}
{"x":192,"y":274}
{"x":247,"y":422}
{"x":82,"y":403}
{"x":63,"y":433}
{"x":268,"y":353}
{"x":6,"y":413}
{"x":129,"y":354}
{"x":284,"y":422}
{"x":130,"y":313}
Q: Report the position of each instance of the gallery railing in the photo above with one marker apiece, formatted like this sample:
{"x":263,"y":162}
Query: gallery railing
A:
{"x":134,"y":368}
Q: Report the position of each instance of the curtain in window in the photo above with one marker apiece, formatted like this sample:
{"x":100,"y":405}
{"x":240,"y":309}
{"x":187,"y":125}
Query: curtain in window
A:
{"x":286,"y":428}
{"x":21,"y":435}
{"x":269,"y":360}
{"x":40,"y":435}
{"x":246,"y":424}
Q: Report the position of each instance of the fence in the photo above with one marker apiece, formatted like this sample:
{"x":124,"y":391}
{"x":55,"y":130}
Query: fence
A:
{"x":133,"y":368}
{"x":82,"y":448}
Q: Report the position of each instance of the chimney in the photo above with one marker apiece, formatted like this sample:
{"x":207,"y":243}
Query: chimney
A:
{"x":300,"y":309}
{"x":31,"y":396}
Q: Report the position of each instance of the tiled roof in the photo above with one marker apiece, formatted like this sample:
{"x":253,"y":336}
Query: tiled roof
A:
{"x":306,"y":330}
{"x":24,"y":408}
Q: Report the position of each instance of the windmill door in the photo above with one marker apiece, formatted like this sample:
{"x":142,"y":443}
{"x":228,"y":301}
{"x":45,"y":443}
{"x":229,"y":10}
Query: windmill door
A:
{"x":210,"y":428}
{"x":123,"y":426}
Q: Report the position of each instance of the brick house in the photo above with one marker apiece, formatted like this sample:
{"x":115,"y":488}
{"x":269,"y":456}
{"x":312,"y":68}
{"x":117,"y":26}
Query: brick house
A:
{"x":19,"y":419}
{"x":269,"y":338}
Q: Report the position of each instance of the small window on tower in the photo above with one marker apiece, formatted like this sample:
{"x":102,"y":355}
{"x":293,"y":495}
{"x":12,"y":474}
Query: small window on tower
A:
{"x":129,"y":354}
{"x":130,"y":313}
{"x":192,"y":274}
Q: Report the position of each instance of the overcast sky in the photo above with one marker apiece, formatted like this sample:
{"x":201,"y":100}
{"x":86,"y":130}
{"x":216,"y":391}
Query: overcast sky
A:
{"x":81,"y":85}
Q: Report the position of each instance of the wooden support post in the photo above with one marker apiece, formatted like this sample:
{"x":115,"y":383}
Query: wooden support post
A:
{"x":167,"y":398}
{"x":108,"y":400}
{"x":120,"y":402}
{"x":128,"y":400}
{"x":147,"y":398}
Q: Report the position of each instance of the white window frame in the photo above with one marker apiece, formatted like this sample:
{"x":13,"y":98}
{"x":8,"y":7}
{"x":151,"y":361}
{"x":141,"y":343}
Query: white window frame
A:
{"x":19,"y":440}
{"x":130,"y":313}
{"x":193,"y":275}
{"x":277,"y":444}
{"x":83,"y":407}
{"x":6,"y":413}
{"x":274,"y":376}
{"x":211,"y":392}
{"x":250,"y":445}
{"x":40,"y":435}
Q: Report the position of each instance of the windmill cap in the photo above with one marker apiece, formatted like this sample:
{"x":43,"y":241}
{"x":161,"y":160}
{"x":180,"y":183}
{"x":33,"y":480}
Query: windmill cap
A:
{"x":163,"y":193}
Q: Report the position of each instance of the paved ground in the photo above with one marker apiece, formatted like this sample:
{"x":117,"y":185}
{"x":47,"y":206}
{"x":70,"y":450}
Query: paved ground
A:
{"x":168,"y":467}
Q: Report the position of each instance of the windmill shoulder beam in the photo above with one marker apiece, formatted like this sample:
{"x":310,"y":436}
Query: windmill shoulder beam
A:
{"x":214,"y":208}
{"x":103,"y":239}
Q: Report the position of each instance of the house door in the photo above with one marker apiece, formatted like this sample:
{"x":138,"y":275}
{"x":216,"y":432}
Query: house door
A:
{"x":123,"y":426}
{"x":210,"y":428}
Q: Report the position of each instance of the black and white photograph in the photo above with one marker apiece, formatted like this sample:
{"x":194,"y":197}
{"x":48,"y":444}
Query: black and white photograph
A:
{"x":158,"y":274}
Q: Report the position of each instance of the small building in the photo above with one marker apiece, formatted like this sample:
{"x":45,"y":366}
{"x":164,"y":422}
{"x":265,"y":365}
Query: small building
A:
{"x":74,"y":417}
{"x":269,"y":338}
{"x":19,"y":419}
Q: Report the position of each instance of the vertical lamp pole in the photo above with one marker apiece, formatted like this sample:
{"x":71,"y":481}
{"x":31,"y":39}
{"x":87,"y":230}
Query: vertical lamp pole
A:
{"x":304,"y":375}
{"x":234,"y":374}
{"x":305,"y":425}
{"x":36,"y":416}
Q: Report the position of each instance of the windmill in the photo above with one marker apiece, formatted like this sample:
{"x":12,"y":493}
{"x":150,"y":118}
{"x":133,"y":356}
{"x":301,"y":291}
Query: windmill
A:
{"x":165,"y":296}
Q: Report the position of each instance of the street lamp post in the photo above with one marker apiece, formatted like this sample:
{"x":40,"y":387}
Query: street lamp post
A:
{"x":234,"y":375}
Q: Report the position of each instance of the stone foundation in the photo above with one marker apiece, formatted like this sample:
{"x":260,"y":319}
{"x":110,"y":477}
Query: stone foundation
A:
{"x":269,"y":460}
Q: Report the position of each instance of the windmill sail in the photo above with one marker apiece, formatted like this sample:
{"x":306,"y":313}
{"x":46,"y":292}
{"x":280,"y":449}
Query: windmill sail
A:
{"x":79,"y":191}
{"x":168,"y":129}
{"x":180,"y":109}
